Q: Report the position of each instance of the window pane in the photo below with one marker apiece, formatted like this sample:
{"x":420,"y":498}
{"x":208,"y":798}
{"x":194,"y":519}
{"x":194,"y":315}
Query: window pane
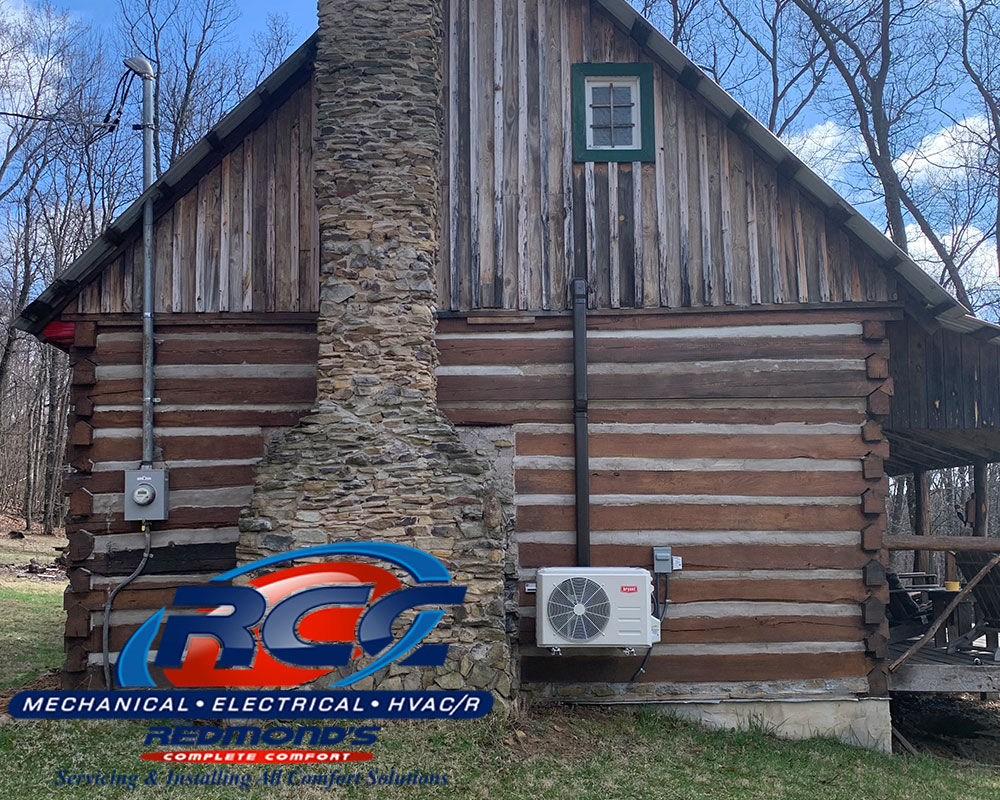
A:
{"x":601,"y":95}
{"x":623,"y":95}
{"x":602,"y":116}
{"x":602,"y":137}
{"x":623,"y":115}
{"x":623,"y":136}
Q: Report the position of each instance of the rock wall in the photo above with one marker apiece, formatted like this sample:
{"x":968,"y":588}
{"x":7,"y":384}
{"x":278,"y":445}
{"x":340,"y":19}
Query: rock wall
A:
{"x":376,"y":460}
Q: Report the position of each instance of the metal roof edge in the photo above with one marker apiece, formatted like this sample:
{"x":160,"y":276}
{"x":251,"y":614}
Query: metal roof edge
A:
{"x":57,"y":295}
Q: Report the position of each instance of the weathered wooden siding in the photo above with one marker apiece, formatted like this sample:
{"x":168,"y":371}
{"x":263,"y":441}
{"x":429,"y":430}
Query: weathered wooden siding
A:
{"x":946,"y":408}
{"x":943,"y":379}
{"x":243,"y":239}
{"x":225,"y":387}
{"x":739,"y":439}
{"x":710,"y":223}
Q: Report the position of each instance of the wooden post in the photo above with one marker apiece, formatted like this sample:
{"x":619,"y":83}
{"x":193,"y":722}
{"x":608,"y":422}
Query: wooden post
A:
{"x":950,"y":568}
{"x":980,"y":519}
{"x":922,"y":489}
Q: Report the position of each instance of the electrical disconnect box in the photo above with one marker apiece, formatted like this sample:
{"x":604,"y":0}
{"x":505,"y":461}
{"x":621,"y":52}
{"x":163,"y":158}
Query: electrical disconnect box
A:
{"x":664,"y":562}
{"x":146,"y":494}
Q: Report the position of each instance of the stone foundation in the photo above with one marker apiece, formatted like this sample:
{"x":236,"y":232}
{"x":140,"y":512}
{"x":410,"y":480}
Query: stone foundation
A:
{"x":376,"y":460}
{"x":792,"y":709}
{"x":859,"y":721}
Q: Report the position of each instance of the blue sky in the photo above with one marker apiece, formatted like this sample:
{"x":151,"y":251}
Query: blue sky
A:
{"x":301,"y":15}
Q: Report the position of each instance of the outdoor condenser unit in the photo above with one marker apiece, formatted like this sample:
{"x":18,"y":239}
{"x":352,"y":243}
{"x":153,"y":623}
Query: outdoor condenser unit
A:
{"x":595,"y":607}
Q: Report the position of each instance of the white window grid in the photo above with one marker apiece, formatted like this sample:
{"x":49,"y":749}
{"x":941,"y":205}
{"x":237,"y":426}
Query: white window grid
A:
{"x":611,"y":84}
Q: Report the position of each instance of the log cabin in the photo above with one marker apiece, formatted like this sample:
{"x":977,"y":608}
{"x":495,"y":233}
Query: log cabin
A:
{"x":533,"y":236}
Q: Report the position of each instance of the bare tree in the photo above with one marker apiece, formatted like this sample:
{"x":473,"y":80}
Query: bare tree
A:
{"x":980,"y":33}
{"x":34,"y":43}
{"x":700,"y":29}
{"x":201,"y":71}
{"x":891,"y":61}
{"x":783,"y":68}
{"x":68,"y":167}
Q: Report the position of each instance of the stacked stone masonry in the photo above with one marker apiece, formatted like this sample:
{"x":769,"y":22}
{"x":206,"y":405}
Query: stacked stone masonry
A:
{"x":376,"y":460}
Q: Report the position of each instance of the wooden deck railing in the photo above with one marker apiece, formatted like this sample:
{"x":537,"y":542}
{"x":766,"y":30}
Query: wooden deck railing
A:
{"x":908,"y":542}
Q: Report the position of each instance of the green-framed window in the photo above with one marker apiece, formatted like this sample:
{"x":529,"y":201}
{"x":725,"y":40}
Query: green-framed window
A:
{"x":612,"y":112}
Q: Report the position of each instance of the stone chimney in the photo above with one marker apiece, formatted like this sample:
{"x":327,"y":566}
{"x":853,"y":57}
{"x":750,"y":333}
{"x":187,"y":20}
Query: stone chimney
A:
{"x":376,"y":459}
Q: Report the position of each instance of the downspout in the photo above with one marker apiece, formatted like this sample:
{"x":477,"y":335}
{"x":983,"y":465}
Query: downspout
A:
{"x":141,"y":67}
{"x":580,"y":433}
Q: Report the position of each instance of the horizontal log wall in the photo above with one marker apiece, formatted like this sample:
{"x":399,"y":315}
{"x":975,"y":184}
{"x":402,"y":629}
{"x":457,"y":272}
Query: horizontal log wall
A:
{"x":738,"y":439}
{"x":709,"y":223}
{"x":225,"y":387}
{"x":243,"y":239}
{"x":765,"y":493}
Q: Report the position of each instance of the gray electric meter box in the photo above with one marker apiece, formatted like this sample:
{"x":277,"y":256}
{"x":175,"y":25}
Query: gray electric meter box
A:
{"x":146,"y":494}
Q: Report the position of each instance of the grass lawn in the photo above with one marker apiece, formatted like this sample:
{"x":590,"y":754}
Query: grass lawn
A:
{"x":582,"y":753}
{"x":31,"y":628}
{"x":548,"y":753}
{"x":21,"y":551}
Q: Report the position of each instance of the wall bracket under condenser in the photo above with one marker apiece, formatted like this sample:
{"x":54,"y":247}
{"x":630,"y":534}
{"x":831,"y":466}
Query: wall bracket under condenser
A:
{"x":595,"y":607}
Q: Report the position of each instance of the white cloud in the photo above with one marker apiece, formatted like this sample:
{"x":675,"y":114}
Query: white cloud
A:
{"x":829,"y":148}
{"x":944,"y":155}
{"x":977,"y":256}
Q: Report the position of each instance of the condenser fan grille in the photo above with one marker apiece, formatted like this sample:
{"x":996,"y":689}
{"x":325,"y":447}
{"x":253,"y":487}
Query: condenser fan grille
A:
{"x":578,"y":609}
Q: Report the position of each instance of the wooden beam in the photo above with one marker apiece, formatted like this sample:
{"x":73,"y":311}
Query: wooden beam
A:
{"x":945,"y":614}
{"x":980,"y":519}
{"x":81,"y":503}
{"x":83,"y":406}
{"x":922,"y":487}
{"x":873,"y":330}
{"x":914,"y":677}
{"x":84,"y":373}
{"x":878,"y":683}
{"x":923,"y":503}
{"x":872,"y":502}
{"x":877,"y":646}
{"x":941,"y":543}
{"x":873,"y":574}
{"x":81,"y":545}
{"x":909,"y":748}
{"x":879,"y":403}
{"x":872,"y":611}
{"x":950,"y":568}
{"x":877,"y":366}
{"x":81,"y":434}
{"x":872,"y":467}
{"x":871,"y":431}
{"x":871,"y":536}
{"x":85,"y":335}
{"x":934,"y":454}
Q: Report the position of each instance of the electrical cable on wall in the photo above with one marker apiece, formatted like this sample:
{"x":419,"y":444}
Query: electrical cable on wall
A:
{"x":662,"y":615}
{"x":105,"y":633}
